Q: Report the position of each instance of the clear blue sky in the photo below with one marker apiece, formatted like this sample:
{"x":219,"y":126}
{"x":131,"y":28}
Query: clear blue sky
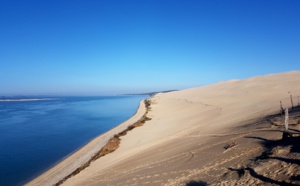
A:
{"x":111,"y":47}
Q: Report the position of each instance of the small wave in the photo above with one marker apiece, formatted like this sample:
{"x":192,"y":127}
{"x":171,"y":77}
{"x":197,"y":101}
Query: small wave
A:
{"x":29,"y":99}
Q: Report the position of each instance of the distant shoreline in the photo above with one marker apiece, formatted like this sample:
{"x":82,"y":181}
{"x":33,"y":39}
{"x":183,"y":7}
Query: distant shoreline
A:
{"x":149,"y":93}
{"x":30,"y":99}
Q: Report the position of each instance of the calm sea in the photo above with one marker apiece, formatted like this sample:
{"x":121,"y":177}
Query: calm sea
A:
{"x":35,"y":134}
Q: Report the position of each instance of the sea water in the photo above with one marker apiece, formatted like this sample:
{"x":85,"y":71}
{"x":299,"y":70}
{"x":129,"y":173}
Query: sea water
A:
{"x":37,"y":133}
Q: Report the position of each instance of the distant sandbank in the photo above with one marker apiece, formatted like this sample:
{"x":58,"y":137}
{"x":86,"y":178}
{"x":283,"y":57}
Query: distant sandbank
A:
{"x":29,"y":99}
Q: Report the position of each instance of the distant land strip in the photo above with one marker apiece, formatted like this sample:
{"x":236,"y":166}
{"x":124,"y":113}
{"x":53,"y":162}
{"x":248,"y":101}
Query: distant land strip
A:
{"x":29,"y":99}
{"x":149,"y":93}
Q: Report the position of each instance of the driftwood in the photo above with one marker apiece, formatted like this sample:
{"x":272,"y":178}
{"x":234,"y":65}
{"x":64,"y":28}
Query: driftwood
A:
{"x":288,"y":133}
{"x":281,"y":108}
{"x":286,"y":121}
{"x":292,"y":101}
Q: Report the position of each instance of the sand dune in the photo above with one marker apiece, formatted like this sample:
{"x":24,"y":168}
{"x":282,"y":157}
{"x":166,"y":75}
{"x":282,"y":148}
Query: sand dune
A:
{"x":185,"y":139}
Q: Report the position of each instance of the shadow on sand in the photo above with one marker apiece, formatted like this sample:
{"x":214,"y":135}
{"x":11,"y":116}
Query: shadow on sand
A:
{"x":266,"y":179}
{"x":292,"y":142}
{"x":196,"y":183}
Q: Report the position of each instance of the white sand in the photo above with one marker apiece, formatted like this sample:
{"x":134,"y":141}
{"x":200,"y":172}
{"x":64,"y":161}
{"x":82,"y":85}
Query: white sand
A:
{"x":178,"y":117}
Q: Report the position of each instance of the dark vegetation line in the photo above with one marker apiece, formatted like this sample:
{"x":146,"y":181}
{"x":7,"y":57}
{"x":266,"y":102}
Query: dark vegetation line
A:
{"x":149,"y":93}
{"x":111,"y":145}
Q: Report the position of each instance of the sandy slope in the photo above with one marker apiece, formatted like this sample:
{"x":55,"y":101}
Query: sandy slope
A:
{"x":187,"y":133}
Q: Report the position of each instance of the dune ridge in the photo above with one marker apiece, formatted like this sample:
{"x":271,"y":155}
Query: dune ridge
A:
{"x":188,"y":130}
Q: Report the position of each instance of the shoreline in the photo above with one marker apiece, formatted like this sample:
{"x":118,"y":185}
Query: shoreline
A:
{"x":112,"y":144}
{"x":69,"y":166}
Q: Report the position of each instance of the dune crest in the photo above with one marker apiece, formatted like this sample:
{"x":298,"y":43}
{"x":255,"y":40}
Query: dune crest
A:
{"x":188,"y":130}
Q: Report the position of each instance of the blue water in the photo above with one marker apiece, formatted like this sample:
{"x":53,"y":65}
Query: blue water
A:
{"x":35,"y":135}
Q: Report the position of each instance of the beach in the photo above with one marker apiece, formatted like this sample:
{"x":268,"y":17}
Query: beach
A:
{"x":192,"y":136}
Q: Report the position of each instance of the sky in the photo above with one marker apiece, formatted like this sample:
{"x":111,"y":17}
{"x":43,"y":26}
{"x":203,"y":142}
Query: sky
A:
{"x":94,"y":47}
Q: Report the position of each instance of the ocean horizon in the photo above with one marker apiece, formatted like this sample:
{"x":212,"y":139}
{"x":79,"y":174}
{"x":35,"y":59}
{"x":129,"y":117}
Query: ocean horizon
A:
{"x":38,"y":132}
